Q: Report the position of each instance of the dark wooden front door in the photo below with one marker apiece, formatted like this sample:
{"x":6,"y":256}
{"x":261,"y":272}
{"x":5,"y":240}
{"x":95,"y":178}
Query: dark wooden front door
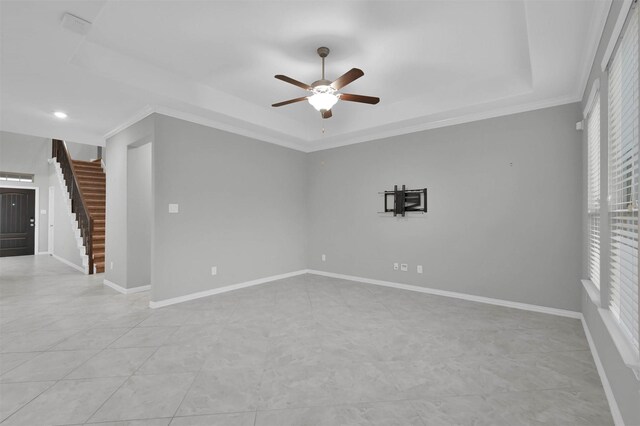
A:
{"x":17,"y":221}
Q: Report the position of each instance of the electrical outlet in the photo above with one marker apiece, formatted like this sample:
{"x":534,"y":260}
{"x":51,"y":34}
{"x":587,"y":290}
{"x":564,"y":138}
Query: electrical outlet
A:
{"x":324,"y":257}
{"x":214,"y":270}
{"x":404,"y":267}
{"x":395,"y":266}
{"x":419,"y":269}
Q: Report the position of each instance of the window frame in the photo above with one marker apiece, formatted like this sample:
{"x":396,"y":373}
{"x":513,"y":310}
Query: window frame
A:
{"x":594,"y":159}
{"x":627,"y":343}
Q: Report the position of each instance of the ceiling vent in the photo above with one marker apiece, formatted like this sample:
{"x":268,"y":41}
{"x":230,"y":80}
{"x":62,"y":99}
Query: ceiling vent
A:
{"x":75,"y":25}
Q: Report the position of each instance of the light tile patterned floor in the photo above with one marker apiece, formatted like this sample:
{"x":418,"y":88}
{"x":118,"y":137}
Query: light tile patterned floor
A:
{"x":308,"y":350}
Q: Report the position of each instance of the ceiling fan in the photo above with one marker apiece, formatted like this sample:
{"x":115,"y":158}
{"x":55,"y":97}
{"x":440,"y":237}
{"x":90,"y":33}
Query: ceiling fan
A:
{"x":324,"y":93}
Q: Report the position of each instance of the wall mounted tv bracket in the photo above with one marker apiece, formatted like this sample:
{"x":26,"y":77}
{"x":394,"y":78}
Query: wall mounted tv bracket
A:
{"x":405,"y":200}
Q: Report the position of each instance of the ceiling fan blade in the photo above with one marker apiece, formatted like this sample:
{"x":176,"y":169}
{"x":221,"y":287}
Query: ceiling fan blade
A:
{"x":294,"y":82}
{"x":346,"y":78}
{"x":290,"y":101}
{"x":359,"y":98}
{"x":326,"y":114}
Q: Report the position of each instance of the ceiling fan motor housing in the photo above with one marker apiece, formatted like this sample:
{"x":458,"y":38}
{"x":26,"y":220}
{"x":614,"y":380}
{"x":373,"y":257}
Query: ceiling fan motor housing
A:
{"x":321,"y":83}
{"x":323,"y":52}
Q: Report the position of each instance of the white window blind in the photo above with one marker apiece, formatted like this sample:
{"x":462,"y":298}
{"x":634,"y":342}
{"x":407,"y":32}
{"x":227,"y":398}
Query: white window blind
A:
{"x":593,"y":189}
{"x":623,"y":180}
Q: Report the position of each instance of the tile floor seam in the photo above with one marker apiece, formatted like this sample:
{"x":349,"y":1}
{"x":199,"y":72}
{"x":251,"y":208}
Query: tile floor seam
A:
{"x":425,"y":398}
{"x":121,"y":385}
{"x":544,"y":389}
{"x":23,"y":362}
{"x":90,"y":358}
{"x":118,"y":421}
{"x":386,"y":307}
{"x":355,"y":403}
{"x":195,"y":377}
{"x":32,"y":399}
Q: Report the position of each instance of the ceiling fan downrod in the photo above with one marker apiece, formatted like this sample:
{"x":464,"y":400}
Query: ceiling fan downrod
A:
{"x":323,"y":52}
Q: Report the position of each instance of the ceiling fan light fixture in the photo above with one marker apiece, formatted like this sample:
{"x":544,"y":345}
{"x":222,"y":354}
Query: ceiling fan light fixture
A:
{"x":323,"y":101}
{"x":323,"y":98}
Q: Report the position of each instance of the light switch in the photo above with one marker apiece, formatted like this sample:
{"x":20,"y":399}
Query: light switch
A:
{"x":173,"y":208}
{"x":43,"y":212}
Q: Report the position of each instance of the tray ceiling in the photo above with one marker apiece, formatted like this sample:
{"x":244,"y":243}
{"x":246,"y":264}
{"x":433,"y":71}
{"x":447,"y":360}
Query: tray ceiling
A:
{"x":432,"y":63}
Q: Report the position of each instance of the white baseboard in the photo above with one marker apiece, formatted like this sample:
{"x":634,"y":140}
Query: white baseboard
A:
{"x":613,"y":405}
{"x":123,"y":290}
{"x":73,"y":265}
{"x":445,"y":293}
{"x":198,"y":295}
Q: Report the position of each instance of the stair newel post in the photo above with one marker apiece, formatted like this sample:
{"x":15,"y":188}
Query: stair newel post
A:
{"x":73,"y":197}
{"x":90,"y":245}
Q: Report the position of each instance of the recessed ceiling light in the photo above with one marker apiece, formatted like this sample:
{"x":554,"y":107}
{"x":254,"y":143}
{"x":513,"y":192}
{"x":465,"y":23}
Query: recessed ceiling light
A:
{"x":60,"y":114}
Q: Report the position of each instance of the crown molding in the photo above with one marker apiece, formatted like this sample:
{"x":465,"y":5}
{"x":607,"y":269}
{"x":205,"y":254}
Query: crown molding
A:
{"x":216,"y":124}
{"x":193,"y":118}
{"x":467,"y":118}
{"x":319,"y":146}
{"x":139,"y":115}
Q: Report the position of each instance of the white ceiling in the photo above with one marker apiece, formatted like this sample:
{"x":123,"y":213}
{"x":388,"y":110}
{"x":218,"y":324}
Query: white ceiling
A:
{"x":432,"y":63}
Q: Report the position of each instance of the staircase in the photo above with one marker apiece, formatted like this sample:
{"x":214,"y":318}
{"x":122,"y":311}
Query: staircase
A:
{"x":91,"y":179}
{"x":85,"y":184}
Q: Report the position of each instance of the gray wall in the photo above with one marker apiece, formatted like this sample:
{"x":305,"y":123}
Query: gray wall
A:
{"x":624,"y":385}
{"x":116,"y":155}
{"x":80,"y":151}
{"x":29,"y":154}
{"x":242,"y":209}
{"x":139,"y":214}
{"x":504,"y":198}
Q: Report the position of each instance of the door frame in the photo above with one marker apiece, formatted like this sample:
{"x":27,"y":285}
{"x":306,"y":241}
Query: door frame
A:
{"x":36,"y":215}
{"x":51,"y":220}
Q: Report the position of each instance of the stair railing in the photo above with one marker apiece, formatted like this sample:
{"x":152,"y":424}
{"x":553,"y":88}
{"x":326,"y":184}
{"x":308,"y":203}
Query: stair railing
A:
{"x":78,"y":203}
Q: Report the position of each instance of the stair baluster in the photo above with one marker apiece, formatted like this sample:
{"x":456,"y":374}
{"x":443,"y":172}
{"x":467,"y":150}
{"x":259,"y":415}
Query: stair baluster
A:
{"x":78,"y":204}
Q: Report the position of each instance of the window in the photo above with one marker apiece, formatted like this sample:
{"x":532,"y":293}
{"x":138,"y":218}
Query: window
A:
{"x":593,"y":189}
{"x":16,"y":177}
{"x":623,"y":181}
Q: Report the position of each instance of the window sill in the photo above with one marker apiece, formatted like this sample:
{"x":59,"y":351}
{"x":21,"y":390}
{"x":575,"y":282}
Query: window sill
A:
{"x":629,"y":356}
{"x":592,"y":291}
